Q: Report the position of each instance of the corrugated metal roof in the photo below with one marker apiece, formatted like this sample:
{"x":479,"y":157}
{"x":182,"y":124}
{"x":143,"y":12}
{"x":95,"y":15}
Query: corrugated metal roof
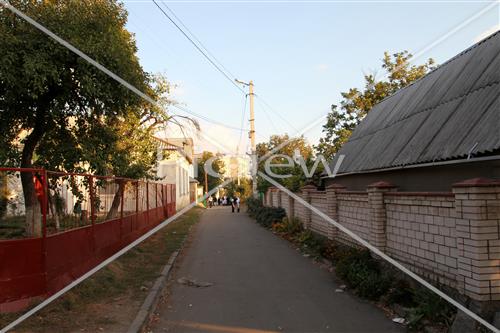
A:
{"x":450,"y":112}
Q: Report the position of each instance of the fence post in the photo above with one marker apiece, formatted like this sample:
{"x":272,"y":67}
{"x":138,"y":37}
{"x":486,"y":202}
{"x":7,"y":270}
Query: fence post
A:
{"x":45,"y":202}
{"x":92,"y":211}
{"x":122,"y":183}
{"x":137,"y":198}
{"x":477,"y":208}
{"x":44,"y":225}
{"x":278,"y":193}
{"x":306,"y":195}
{"x":291,"y":207}
{"x":332,"y":202}
{"x":378,"y":237}
{"x":147,"y":201}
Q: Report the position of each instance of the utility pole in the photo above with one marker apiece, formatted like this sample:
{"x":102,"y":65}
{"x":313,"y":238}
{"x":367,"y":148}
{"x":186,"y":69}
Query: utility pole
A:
{"x":206,"y":181}
{"x":252,"y":140}
{"x":251,"y":135}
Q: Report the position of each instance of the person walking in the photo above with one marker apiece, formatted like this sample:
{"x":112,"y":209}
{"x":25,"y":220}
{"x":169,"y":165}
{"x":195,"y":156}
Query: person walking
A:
{"x":210,"y":201}
{"x":237,"y":200}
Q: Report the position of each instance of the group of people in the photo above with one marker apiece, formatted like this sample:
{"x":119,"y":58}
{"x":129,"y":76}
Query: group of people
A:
{"x":234,"y":201}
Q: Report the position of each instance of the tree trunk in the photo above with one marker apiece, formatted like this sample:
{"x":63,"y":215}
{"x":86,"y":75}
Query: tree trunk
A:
{"x":117,"y":199}
{"x":32,"y":206}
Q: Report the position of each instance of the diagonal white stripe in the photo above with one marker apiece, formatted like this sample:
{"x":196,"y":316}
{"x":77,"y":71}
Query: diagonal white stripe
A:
{"x":381,"y":254}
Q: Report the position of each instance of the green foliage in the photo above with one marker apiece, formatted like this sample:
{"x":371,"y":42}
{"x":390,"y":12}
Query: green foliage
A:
{"x":269,"y":215}
{"x":243,"y":190}
{"x":362,"y":272}
{"x":217,"y":165}
{"x":431,"y":308}
{"x":289,"y":226}
{"x":253,"y":206}
{"x":284,"y":145}
{"x":355,"y":103}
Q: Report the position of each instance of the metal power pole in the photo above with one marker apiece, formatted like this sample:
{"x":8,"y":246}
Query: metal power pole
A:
{"x":251,"y":135}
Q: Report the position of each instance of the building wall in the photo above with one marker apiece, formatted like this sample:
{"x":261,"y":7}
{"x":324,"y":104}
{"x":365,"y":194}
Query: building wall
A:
{"x":451,"y":238}
{"x":176,"y":172}
{"x":431,"y":178}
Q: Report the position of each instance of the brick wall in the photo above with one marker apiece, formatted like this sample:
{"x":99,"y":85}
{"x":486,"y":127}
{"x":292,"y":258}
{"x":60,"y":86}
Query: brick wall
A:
{"x":451,"y":238}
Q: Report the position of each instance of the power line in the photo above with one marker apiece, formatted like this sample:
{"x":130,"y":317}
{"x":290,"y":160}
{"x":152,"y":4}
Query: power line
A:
{"x":268,"y":116}
{"x":199,"y":49}
{"x":198,"y":40}
{"x":275,"y":112}
{"x":213,"y":121}
{"x":242,"y":119}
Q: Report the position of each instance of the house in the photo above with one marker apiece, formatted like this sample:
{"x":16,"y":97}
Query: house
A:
{"x":420,"y":178}
{"x":175,"y":166}
{"x":236,"y":166}
{"x":195,"y":190}
{"x":440,"y":130}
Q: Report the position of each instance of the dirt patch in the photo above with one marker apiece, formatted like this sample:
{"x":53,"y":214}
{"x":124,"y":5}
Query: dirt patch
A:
{"x":109,"y":300}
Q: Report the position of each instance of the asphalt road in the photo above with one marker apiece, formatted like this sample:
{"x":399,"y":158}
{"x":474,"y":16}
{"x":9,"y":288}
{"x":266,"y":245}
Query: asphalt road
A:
{"x":260,"y":284}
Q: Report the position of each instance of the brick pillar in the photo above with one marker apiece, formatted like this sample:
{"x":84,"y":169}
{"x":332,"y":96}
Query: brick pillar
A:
{"x":273,"y":193}
{"x":291,"y":207}
{"x":477,"y":205}
{"x":306,"y":195}
{"x":332,"y":191}
{"x":270,"y":199}
{"x":376,"y":192}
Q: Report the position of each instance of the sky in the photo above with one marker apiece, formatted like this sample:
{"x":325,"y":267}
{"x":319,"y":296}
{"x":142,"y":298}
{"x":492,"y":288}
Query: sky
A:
{"x":300,"y":55}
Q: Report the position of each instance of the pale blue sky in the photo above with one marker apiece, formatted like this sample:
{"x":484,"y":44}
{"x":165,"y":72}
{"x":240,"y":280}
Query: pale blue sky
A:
{"x":299,"y":55}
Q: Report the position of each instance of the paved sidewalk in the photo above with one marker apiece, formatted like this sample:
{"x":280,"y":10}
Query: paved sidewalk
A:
{"x":260,"y":284}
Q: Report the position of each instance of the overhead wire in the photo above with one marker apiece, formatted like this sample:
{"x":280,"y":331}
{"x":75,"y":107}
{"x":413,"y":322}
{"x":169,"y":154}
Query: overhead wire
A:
{"x":275,"y":112}
{"x":212,"y":62}
{"x":242,"y":120}
{"x":198,"y":40}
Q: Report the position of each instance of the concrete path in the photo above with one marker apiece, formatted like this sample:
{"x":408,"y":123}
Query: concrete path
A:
{"x":260,"y":284}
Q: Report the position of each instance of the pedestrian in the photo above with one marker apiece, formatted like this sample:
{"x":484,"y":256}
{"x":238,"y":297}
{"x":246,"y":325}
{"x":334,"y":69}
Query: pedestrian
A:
{"x":210,"y":201}
{"x":233,"y":203}
{"x":238,"y":203}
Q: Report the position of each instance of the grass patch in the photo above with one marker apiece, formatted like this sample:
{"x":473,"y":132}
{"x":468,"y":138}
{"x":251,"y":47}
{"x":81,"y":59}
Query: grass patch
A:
{"x":112,"y":295}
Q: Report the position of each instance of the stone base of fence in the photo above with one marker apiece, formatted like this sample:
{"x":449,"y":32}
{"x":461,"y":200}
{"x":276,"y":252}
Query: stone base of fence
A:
{"x":451,"y":238}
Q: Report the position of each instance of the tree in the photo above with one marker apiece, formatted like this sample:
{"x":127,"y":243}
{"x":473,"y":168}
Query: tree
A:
{"x":217,"y":165}
{"x":243,"y":190}
{"x":284,"y":145}
{"x":59,"y":111}
{"x":356,"y":104}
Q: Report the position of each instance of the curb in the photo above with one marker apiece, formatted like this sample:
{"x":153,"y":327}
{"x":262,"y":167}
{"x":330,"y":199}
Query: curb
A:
{"x":153,"y":297}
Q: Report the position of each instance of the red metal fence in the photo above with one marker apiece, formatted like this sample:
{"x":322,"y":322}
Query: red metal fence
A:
{"x":56,"y":226}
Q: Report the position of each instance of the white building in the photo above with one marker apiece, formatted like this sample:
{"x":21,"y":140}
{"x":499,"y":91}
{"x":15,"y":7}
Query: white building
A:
{"x":175,"y":166}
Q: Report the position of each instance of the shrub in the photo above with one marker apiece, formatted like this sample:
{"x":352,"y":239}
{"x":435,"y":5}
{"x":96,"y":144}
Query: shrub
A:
{"x":266,"y":216}
{"x":253,"y":206}
{"x":361,"y":272}
{"x":289,"y":226}
{"x":430,"y":307}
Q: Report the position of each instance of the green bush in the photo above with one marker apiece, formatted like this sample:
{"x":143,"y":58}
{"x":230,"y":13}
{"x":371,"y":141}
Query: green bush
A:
{"x":289,"y":226}
{"x":362,"y":272}
{"x":253,"y":206}
{"x":266,"y":216}
{"x":430,"y":307}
